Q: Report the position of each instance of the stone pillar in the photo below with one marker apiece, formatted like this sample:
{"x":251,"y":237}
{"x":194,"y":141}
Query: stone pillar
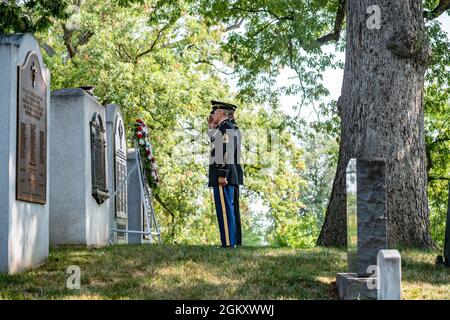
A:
{"x":372,"y":220}
{"x":366,"y":228}
{"x":24,"y":131}
{"x":389,"y":275}
{"x":117,"y":172}
{"x":352,"y":216}
{"x":78,"y":175}
{"x":135,"y":206}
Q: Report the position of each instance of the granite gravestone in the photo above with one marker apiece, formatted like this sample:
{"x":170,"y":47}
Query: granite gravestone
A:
{"x":78,"y":175}
{"x":136,"y":217}
{"x":117,"y":156}
{"x":24,"y":105}
{"x":366,"y":229}
{"x":371,"y":212}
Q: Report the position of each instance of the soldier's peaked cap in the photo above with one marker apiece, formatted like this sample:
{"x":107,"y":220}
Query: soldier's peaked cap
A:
{"x":222,"y":105}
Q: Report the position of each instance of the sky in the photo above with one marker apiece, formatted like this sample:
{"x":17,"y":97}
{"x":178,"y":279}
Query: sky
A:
{"x":332,"y":79}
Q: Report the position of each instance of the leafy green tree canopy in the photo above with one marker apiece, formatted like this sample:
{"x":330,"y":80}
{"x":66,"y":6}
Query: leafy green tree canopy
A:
{"x":30,"y":15}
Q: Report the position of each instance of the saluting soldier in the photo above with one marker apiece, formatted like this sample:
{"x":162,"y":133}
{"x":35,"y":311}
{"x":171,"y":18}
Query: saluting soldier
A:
{"x":240,"y":172}
{"x":223,"y":176}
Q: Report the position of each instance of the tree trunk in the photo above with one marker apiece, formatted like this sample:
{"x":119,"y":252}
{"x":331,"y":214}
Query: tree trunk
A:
{"x":381,"y":110}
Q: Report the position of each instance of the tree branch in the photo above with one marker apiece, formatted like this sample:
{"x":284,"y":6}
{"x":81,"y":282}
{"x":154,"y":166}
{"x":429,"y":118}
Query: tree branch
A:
{"x":438,"y":178}
{"x":123,"y":53}
{"x":338,"y":22}
{"x":72,"y":48}
{"x":158,"y":199}
{"x":213,"y":65}
{"x":234,"y":26}
{"x":291,"y":17}
{"x":268,"y":25}
{"x":67,"y":35}
{"x":276,"y":18}
{"x":443,"y":6}
{"x":152,"y":46}
{"x":84,"y":38}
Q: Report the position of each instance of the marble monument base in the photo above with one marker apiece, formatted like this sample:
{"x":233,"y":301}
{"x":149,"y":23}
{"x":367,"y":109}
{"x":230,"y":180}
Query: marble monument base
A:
{"x":352,"y":287}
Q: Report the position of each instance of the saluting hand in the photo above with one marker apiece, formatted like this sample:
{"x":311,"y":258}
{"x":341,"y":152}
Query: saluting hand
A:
{"x":211,"y":124}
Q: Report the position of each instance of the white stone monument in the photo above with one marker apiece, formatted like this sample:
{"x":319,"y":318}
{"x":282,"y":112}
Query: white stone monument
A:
{"x":390,"y":275}
{"x":78,"y":175}
{"x":136,"y":217}
{"x":117,"y":172}
{"x":24,"y":128}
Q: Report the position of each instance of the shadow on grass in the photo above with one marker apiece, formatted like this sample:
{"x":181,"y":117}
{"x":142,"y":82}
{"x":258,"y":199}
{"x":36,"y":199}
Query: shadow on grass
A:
{"x":420,"y":266}
{"x":182,"y":272}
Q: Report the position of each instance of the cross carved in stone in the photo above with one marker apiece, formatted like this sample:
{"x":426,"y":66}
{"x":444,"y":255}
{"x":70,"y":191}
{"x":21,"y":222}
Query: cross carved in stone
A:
{"x":33,"y":73}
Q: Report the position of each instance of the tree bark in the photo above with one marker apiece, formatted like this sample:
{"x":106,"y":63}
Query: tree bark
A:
{"x":381,"y":110}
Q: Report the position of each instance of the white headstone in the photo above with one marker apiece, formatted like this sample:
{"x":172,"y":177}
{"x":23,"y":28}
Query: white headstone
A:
{"x":389,"y":275}
{"x":24,"y":129}
{"x":78,"y":176}
{"x":117,"y":157}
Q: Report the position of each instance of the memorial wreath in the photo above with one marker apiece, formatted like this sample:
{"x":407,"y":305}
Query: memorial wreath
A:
{"x":146,"y":151}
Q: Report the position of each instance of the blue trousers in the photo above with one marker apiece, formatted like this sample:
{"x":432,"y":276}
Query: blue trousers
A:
{"x":224,"y":201}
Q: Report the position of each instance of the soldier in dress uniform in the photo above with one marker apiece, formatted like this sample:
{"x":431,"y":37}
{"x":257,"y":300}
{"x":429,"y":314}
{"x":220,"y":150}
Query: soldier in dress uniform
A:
{"x":223,"y":176}
{"x":240,"y":172}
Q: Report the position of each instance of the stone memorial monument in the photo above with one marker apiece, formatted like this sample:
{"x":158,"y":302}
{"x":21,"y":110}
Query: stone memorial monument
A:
{"x":24,"y":130}
{"x":117,"y":157}
{"x":78,"y":175}
{"x":136,"y":216}
{"x":366,"y":228}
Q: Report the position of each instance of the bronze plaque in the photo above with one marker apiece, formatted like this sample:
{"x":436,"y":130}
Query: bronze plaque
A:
{"x":31,"y":176}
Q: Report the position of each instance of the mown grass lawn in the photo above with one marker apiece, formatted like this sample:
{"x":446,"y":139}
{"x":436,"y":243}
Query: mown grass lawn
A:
{"x":201,"y":272}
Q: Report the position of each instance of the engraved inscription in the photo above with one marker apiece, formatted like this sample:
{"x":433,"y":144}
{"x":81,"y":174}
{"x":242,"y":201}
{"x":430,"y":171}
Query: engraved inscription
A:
{"x":31,"y":180}
{"x":120,"y":169}
{"x":121,"y":202}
